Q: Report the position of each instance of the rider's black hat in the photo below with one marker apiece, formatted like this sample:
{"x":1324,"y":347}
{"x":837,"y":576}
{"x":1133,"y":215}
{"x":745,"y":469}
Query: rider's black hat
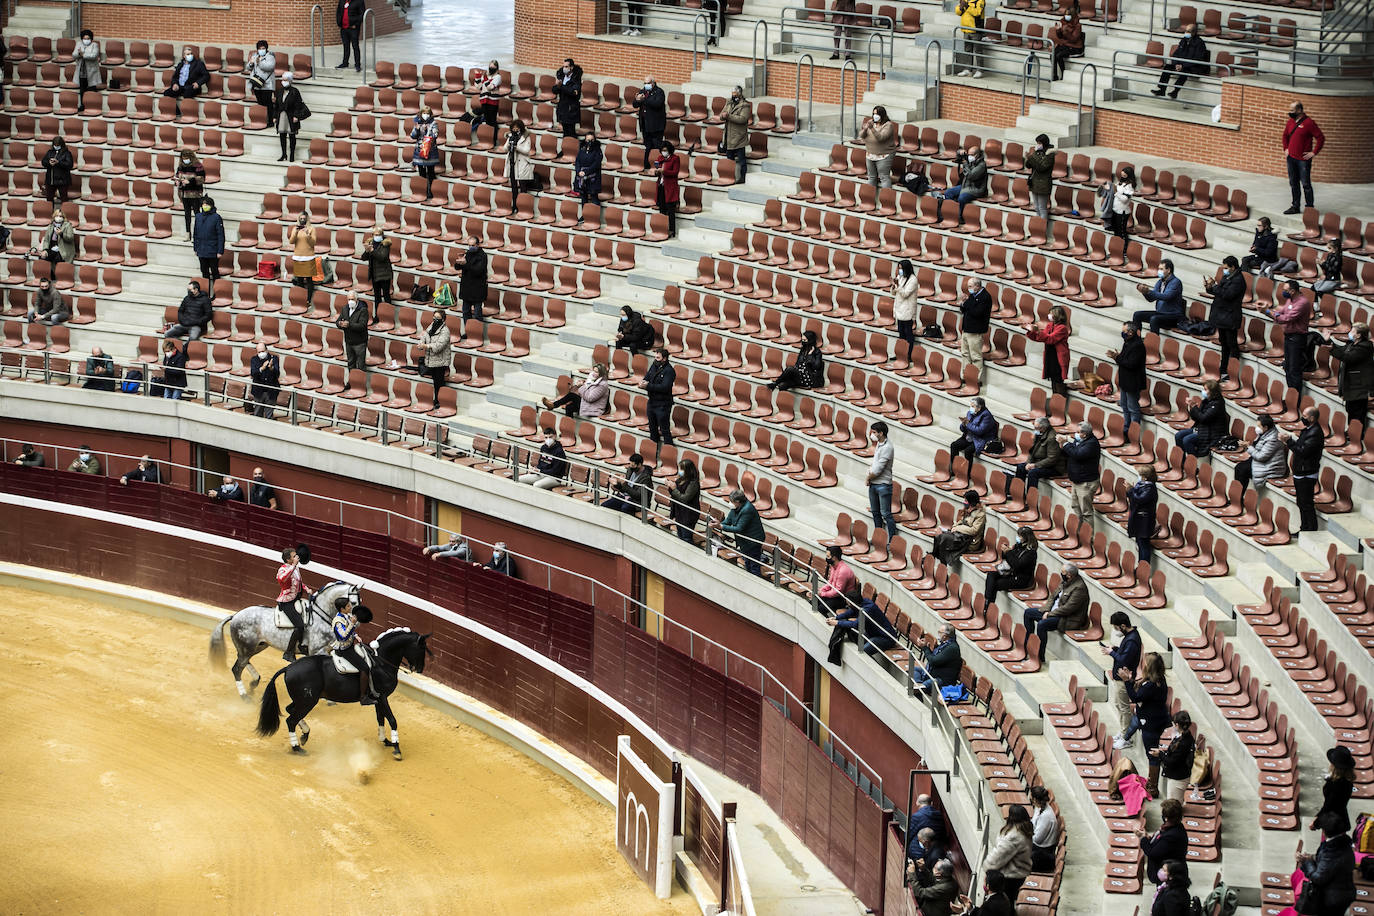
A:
{"x":362,"y":613}
{"x":303,"y":551}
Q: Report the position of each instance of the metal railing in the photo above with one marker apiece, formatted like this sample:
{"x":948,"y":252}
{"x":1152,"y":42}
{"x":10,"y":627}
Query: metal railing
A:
{"x":74,"y":19}
{"x":317,"y":39}
{"x":669,"y":21}
{"x":1092,"y":110}
{"x":876,"y":25}
{"x":1032,"y":64}
{"x":939,"y":73}
{"x":884,"y":53}
{"x":706,"y":38}
{"x":761,"y":80}
{"x":810,"y":92}
{"x":369,"y":18}
{"x":845,"y":69}
{"x":1123,"y":75}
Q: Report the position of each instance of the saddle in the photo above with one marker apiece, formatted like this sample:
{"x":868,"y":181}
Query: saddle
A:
{"x":284,"y":622}
{"x":343,"y":665}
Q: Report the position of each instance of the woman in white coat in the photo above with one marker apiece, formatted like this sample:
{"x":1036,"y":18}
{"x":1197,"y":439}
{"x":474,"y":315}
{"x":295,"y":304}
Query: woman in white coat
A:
{"x":88,"y":75}
{"x":904,"y":305}
{"x":438,"y":356}
{"x":520,"y":165}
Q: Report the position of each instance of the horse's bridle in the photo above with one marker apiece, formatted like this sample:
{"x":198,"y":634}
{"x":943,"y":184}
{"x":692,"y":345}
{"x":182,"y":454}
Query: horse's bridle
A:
{"x":354,"y":591}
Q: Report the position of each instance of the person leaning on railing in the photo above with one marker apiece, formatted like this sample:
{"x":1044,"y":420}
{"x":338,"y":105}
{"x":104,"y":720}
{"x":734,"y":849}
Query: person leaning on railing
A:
{"x":744,"y":523}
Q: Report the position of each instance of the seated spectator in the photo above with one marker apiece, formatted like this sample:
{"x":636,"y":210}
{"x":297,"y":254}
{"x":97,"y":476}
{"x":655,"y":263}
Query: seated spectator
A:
{"x":1210,"y":422}
{"x":1055,"y":336}
{"x":1331,"y":869}
{"x":1167,"y":296}
{"x":744,"y":523}
{"x":927,"y":816}
{"x":30,"y":457}
{"x":937,"y":898}
{"x":1264,"y":250}
{"x":229,"y":491}
{"x":147,"y":472}
{"x":1268,"y":458}
{"x":1176,"y":761}
{"x":57,"y":171}
{"x":1355,"y":376}
{"x":1173,"y":898}
{"x":634,"y":334}
{"x":1123,"y":767}
{"x":973,"y":179}
{"x":807,"y":371}
{"x":1016,"y":570}
{"x":1068,"y":42}
{"x":685,"y":493}
{"x":172,"y":383}
{"x":553,"y":463}
{"x":941,"y":663}
{"x":501,"y":561}
{"x":977,"y":429}
{"x":878,"y":632}
{"x":1332,"y":265}
{"x":1168,"y":843}
{"x":995,"y":899}
{"x":100,"y":371}
{"x":841,"y":586}
{"x":1066,"y":609}
{"x":455,"y":548}
{"x":880,"y":139}
{"x":965,"y":535}
{"x":1190,"y":57}
{"x":587,"y":170}
{"x":1228,"y":298}
{"x":1046,"y":458}
{"x":1141,"y":500}
{"x":628,"y":495}
{"x":193,"y":314}
{"x":260,"y":492}
{"x":85,"y":462}
{"x":189,"y":77}
{"x":1044,"y":831}
{"x":48,"y":306}
{"x":57,"y":244}
{"x":924,"y":853}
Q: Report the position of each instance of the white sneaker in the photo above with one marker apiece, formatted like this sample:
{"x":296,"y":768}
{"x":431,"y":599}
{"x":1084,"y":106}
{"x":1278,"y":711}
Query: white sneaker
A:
{"x":635,"y":32}
{"x":627,"y":32}
{"x":1120,"y":743}
{"x":964,"y":72}
{"x":977,"y":74}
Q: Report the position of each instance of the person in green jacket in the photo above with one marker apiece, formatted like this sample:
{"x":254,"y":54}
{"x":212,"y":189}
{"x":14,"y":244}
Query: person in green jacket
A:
{"x":744,"y":523}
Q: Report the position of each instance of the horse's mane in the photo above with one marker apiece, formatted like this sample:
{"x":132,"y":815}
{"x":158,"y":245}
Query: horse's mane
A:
{"x":385,"y":633}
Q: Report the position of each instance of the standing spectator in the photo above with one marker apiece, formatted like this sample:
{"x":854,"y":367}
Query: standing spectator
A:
{"x":1044,"y":831}
{"x":349,"y":17}
{"x":879,"y":480}
{"x":1016,"y":569}
{"x":173,"y":381}
{"x":193,"y":314}
{"x":1331,"y":870}
{"x":1141,"y":501}
{"x":1302,"y":141}
{"x":1125,"y":659}
{"x":667,"y":167}
{"x":1167,"y":297}
{"x":207,"y":239}
{"x":587,"y":170}
{"x":807,"y":371}
{"x":1337,"y":788}
{"x":290,"y":110}
{"x":1167,"y":844}
{"x":265,"y":371}
{"x":965,"y":535}
{"x":1210,"y":422}
{"x":1068,"y":42}
{"x":588,"y":399}
{"x":190,"y":181}
{"x":1176,"y":760}
{"x":30,"y":456}
{"x":1040,"y":161}
{"x":518,"y":160}
{"x":1332,"y":266}
{"x":57,"y":171}
{"x":501,"y":560}
{"x":879,"y":135}
{"x":971,"y":22}
{"x":841,"y":586}
{"x":843,"y":19}
{"x":976,"y":313}
{"x":658,"y":383}
{"x":58,"y":242}
{"x":229,"y":491}
{"x":1172,"y":898}
{"x":938,"y":897}
{"x":438,"y":351}
{"x":942,"y":662}
{"x":1011,"y":855}
{"x":634,"y":334}
{"x":905,"y":292}
{"x":1117,"y":209}
{"x":973,"y":172}
{"x":1067,"y":609}
{"x":88,"y":75}
{"x":49,"y":306}
{"x":978,"y":428}
{"x":84,"y":462}
{"x":100,"y":371}
{"x":488,"y":99}
{"x":188,"y":77}
{"x":738,"y":115}
{"x":928,"y":815}
{"x":472,"y":286}
{"x":261,"y":69}
{"x":634,"y":18}
{"x":1228,"y":297}
{"x":1045,"y":459}
{"x":425,"y":155}
{"x":629,"y":494}
{"x":1083,"y":464}
{"x":685,"y":493}
{"x":1190,"y":57}
{"x":1294,"y":316}
{"x":744,"y":523}
{"x":1055,"y":336}
{"x":1264,"y":250}
{"x":261,"y":493}
{"x":1307,"y":449}
{"x":353,"y":320}
{"x":553,"y":463}
{"x":1150,"y":695}
{"x":653,"y":115}
{"x":1356,"y":374}
{"x":1130,"y":374}
{"x":1268,"y":458}
{"x":301,"y":238}
{"x":376,"y":254}
{"x":567,"y":89}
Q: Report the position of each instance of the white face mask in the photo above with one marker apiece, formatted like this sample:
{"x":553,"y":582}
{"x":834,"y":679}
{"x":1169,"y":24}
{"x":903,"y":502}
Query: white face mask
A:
{"x":1259,"y":431}
{"x":376,"y":238}
{"x":1352,"y":337}
{"x":1160,"y":273}
{"x":85,"y":41}
{"x":190,"y":57}
{"x":873,"y":437}
{"x":548,"y":440}
{"x":85,"y":456}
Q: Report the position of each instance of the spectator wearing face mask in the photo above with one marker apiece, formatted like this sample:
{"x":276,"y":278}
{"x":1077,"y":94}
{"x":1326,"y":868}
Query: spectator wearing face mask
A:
{"x":290,"y":110}
{"x":57,"y":171}
{"x":100,"y":371}
{"x":193,"y":314}
{"x":1356,"y":374}
{"x":973,"y":176}
{"x":261,"y":69}
{"x":260,"y":492}
{"x":1190,"y":57}
{"x":975,"y":314}
{"x":1332,"y":265}
{"x":520,"y":162}
{"x":1116,"y":209}
{"x":265,"y":371}
{"x":843,"y":19}
{"x":425,"y":156}
{"x":1040,"y":161}
{"x":1167,"y":297}
{"x":190,"y":181}
{"x":587,"y":170}
{"x":879,"y":480}
{"x":49,"y":306}
{"x":652,"y":105}
{"x":1267,"y":459}
{"x":1054,"y":334}
{"x":628,"y":494}
{"x":472,"y":286}
{"x":552,"y":466}
{"x":879,"y":135}
{"x":685,"y":494}
{"x":1306,"y":448}
{"x":301,"y":238}
{"x":978,"y":428}
{"x":1228,"y":298}
{"x":58,"y":242}
{"x":634,"y":334}
{"x":1210,"y":422}
{"x":376,"y":254}
{"x":567,"y":89}
{"x":85,"y":462}
{"x":667,"y":167}
{"x":1141,"y":501}
{"x":1264,"y":250}
{"x":738,"y":115}
{"x":348,"y":16}
{"x":588,"y":399}
{"x":1068,"y":42}
{"x":744,"y":524}
{"x":1066,"y":609}
{"x":88,"y":75}
{"x":1016,"y":569}
{"x":172,"y":384}
{"x":488,"y":99}
{"x":807,"y":371}
{"x":1083,"y":465}
{"x":1292,"y":311}
{"x":1045,"y":459}
{"x":438,"y":351}
{"x":501,"y":561}
{"x":146,"y":472}
{"x":207,"y":239}
{"x":353,"y":321}
{"x":1130,"y":374}
{"x":965,"y":535}
{"x":188,"y":78}
{"x":1302,"y":141}
{"x":658,"y":383}
{"x":905,"y":295}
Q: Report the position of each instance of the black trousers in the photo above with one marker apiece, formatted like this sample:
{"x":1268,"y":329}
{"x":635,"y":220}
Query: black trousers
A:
{"x":569,"y":128}
{"x":1003,"y":582}
{"x":961,"y":446}
{"x":1230,"y":347}
{"x":661,"y":423}
{"x":570,"y":402}
{"x":265,"y":99}
{"x":381,"y":292}
{"x":1357,"y":412}
{"x":209,"y":267}
{"x":349,"y":37}
{"x":652,"y":140}
{"x":906,"y":330}
{"x":1305,"y":489}
{"x":473,"y":310}
{"x":437,"y":375}
{"x":189,"y":208}
{"x":1294,"y":358}
{"x":289,"y":609}
{"x":669,"y":209}
{"x":838,"y":636}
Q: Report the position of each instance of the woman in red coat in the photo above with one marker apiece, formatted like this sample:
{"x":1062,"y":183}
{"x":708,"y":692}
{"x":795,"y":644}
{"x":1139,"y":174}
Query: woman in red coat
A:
{"x":666,"y":169}
{"x":1055,"y":337}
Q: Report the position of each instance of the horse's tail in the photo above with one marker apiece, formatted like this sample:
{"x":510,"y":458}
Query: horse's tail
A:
{"x":217,"y":642}
{"x":269,"y":715}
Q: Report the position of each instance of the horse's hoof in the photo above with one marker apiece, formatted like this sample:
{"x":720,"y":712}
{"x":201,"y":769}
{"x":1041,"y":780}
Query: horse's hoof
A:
{"x":305,"y":738}
{"x":299,"y":750}
{"x":246,"y":697}
{"x":396,"y":751}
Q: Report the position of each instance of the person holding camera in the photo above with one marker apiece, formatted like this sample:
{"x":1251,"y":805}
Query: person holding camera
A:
{"x":653,"y":115}
{"x":973,"y":178}
{"x":261,"y":70}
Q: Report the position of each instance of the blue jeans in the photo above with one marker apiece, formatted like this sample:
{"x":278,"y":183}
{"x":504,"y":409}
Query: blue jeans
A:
{"x":741,"y":157}
{"x":172,"y":394}
{"x":1155,"y":320}
{"x":1187,"y":440}
{"x":958,"y":193}
{"x":1130,"y":408}
{"x":1131,"y":729}
{"x":1300,"y":177}
{"x":880,"y":507}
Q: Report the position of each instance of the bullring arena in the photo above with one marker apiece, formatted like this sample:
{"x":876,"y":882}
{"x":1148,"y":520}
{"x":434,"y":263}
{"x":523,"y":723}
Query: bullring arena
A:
{"x":773,"y":458}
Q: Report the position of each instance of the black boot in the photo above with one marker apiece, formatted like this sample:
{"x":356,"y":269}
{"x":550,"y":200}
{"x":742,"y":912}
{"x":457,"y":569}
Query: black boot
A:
{"x":282,"y":137}
{"x":290,"y":653}
{"x":291,"y":157}
{"x":366,"y":695}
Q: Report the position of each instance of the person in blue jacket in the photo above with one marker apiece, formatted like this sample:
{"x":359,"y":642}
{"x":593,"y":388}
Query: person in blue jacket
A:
{"x":978,"y":428}
{"x":1167,"y":296}
{"x":207,"y":238}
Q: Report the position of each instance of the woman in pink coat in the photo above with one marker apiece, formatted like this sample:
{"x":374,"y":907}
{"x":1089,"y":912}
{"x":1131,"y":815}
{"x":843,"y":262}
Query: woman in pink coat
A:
{"x":1055,"y":337}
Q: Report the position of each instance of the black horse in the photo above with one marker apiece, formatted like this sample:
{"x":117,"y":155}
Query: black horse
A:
{"x":314,"y":678}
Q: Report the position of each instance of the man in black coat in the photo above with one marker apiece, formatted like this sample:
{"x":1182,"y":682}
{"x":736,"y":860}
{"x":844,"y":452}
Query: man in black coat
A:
{"x":1083,"y":465}
{"x":976,"y":310}
{"x":265,"y":371}
{"x":942,"y":660}
{"x":1306,"y":450}
{"x":1355,"y":378}
{"x":260,"y":492}
{"x":567,"y":87}
{"x":472,"y":286}
{"x":354,"y":320}
{"x":188,"y":77}
{"x":1228,"y":296}
{"x":1332,"y":868}
{"x":1170,"y":841}
{"x":1130,"y":374}
{"x":193,"y":314}
{"x":659,"y":380}
{"x":653,"y":115}
{"x":349,"y":16}
{"x":1191,"y":56}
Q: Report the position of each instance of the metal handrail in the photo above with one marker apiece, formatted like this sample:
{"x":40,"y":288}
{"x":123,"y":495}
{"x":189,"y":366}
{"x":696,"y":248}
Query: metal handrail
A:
{"x":868,"y":55}
{"x":754,"y":69}
{"x":74,"y":19}
{"x":810,"y":91}
{"x":845,"y":68}
{"x":878,"y":25}
{"x":1129,"y":70}
{"x":1092,"y":112}
{"x":368,"y":17}
{"x":706,"y":46}
{"x":1032,"y":61}
{"x":939,"y":73}
{"x":317,"y":60}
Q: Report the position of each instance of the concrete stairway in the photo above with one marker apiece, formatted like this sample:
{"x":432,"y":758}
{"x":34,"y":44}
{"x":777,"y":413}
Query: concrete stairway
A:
{"x":35,"y":21}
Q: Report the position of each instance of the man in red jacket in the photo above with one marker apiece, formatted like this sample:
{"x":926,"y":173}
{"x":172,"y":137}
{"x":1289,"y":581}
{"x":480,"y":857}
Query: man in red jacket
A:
{"x":1302,"y":140}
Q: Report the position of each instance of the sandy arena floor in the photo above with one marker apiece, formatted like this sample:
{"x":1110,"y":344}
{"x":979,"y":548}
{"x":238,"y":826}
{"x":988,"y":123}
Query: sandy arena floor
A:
{"x":131,"y":781}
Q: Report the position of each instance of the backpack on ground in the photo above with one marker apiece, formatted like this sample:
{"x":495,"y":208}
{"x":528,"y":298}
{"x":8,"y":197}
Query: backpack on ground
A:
{"x":133,"y":381}
{"x":1222,"y":901}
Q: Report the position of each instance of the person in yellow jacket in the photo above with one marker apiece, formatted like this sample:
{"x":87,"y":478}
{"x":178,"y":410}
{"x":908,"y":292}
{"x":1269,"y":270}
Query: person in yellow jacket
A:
{"x":971,"y":21}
